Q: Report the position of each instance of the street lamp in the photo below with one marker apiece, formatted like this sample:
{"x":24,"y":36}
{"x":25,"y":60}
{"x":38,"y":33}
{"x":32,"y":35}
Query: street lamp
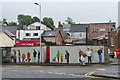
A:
{"x":40,"y":28}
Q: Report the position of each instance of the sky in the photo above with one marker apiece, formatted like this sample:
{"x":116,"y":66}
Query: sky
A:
{"x":80,"y":12}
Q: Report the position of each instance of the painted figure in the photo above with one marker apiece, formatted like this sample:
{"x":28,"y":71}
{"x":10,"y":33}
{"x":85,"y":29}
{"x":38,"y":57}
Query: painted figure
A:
{"x":58,"y":55}
{"x":61,"y":57}
{"x":89,"y":54}
{"x":34,"y":55}
{"x":28,"y":57}
{"x":67,"y":56}
{"x":23,"y":57}
{"x":38,"y":56}
{"x":82,"y":56}
{"x":19,"y":56}
{"x":100,"y":55}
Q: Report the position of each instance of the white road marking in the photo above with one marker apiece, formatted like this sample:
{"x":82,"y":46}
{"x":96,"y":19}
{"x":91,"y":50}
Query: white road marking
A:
{"x":50,"y":72}
{"x":71,"y":74}
{"x":41,"y":71}
{"x":101,"y":69}
{"x":14,"y":70}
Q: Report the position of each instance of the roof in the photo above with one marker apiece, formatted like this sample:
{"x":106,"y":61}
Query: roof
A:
{"x":10,"y":28}
{"x":50,"y":33}
{"x":78,"y":27}
{"x":66,"y":25}
{"x":9,"y":33}
{"x":5,"y":40}
{"x":104,"y":23}
{"x":63,"y":33}
{"x":36,"y":24}
{"x":102,"y":36}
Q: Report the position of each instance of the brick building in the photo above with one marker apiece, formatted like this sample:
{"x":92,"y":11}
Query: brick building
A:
{"x":98,"y":29}
{"x":114,"y":40}
{"x":53,"y":36}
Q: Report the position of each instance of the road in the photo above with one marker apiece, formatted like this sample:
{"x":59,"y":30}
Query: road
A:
{"x":58,"y":71}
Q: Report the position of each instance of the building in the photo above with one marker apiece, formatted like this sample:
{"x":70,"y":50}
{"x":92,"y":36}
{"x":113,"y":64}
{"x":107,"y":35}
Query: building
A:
{"x":66,"y":28}
{"x":6,"y":40}
{"x":28,"y":34}
{"x":99,"y":29}
{"x":53,"y":36}
{"x":65,"y":32}
{"x":32,"y":32}
{"x":79,"y":33}
{"x":114,"y":40}
{"x":36,"y":26}
{"x":101,"y":40}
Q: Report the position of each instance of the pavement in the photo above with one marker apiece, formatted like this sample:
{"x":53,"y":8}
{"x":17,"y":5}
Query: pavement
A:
{"x":103,"y":70}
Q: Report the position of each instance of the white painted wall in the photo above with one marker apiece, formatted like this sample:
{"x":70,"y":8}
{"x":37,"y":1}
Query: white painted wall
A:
{"x":23,"y":33}
{"x":74,"y":50}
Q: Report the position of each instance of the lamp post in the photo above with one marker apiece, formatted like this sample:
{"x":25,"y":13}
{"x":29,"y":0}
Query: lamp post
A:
{"x":40,"y":28}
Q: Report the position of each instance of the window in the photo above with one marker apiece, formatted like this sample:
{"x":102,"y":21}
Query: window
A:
{"x":35,"y":34}
{"x":95,"y":30}
{"x":80,"y":35}
{"x":109,"y":29}
{"x":113,"y":25}
{"x":28,"y":34}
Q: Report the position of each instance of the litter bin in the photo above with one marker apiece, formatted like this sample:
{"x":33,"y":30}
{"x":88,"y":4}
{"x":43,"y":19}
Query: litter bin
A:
{"x":118,"y":53}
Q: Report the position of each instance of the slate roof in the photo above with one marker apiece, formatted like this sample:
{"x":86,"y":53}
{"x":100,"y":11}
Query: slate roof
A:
{"x":78,"y":27}
{"x":50,"y":33}
{"x":10,"y":28}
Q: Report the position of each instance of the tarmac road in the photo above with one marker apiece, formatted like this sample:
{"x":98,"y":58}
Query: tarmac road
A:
{"x":58,"y":71}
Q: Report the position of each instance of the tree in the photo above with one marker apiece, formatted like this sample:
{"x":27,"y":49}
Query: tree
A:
{"x":35,"y":19}
{"x":24,"y":19}
{"x":12,"y":24}
{"x":27,"y":19}
{"x":48,"y":22}
{"x":69,"y":20}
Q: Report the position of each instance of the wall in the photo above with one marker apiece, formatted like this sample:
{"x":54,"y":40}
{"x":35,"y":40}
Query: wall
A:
{"x":76,"y":35}
{"x":73,"y":50}
{"x":114,"y":40}
{"x":25,"y":50}
{"x":51,"y":39}
{"x":23,"y":34}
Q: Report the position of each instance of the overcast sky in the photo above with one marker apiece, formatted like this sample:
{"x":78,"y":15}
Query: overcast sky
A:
{"x":80,"y":12}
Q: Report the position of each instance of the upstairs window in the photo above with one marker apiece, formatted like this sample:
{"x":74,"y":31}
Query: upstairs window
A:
{"x":109,"y":29}
{"x":80,"y":34}
{"x":35,"y":34}
{"x":28,"y":34}
{"x":95,"y":30}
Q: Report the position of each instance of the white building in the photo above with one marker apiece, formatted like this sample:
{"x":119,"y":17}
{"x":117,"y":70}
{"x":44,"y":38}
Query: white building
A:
{"x":79,"y":33}
{"x":32,"y":32}
{"x":36,"y":26}
{"x":28,"y":34}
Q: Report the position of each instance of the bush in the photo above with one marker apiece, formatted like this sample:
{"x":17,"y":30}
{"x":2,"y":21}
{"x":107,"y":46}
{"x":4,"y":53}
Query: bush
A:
{"x":90,"y":42}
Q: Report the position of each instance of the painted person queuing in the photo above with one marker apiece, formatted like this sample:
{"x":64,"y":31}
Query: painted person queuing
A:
{"x":28,"y":57}
{"x":82,"y":56}
{"x":89,"y":55}
{"x":19,"y":56}
{"x":58,"y":56}
{"x":34,"y":55}
{"x":38,"y":57}
{"x":100,"y":54}
{"x":67,"y":54}
{"x":14,"y":56}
